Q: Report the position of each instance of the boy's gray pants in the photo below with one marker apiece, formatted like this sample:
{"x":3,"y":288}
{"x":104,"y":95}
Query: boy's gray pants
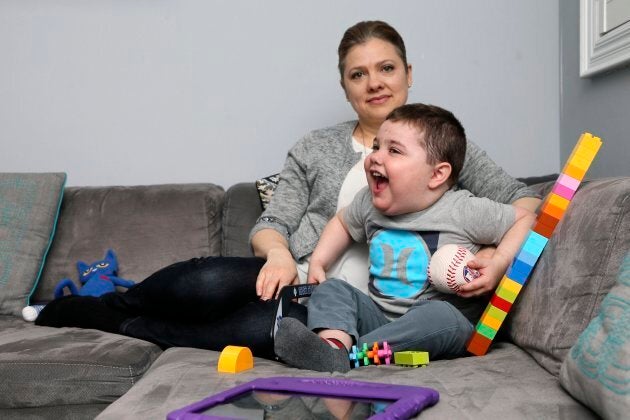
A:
{"x":429,"y":325}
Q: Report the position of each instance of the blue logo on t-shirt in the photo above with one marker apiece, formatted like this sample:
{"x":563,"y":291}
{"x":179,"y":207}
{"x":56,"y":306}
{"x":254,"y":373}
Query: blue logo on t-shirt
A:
{"x":398,"y":263}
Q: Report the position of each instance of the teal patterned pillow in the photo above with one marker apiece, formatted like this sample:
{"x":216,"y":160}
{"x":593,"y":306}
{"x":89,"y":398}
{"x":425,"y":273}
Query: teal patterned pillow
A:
{"x":597,"y":370}
{"x":29,"y":206}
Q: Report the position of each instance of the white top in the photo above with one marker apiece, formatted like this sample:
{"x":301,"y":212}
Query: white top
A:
{"x":353,"y":265}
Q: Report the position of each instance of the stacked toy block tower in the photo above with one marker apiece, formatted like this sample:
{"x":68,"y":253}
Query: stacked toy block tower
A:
{"x":551,"y":212}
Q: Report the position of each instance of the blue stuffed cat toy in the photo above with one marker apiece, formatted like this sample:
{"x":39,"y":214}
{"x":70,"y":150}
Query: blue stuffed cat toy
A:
{"x":97,"y":279}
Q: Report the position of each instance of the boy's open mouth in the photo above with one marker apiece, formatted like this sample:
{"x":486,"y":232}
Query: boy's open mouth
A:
{"x":380,"y":181}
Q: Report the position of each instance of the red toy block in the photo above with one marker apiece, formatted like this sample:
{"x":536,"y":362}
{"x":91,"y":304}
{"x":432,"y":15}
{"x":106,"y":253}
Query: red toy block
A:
{"x":500,"y":303}
{"x":543,"y":230}
{"x":549,"y":220}
{"x":478,"y":344}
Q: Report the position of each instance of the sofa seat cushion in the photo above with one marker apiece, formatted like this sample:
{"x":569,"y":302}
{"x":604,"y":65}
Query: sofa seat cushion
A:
{"x":506,"y":383}
{"x":42,"y":366}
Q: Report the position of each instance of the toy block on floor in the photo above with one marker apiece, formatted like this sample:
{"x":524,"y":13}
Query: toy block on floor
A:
{"x":411,"y":358}
{"x":234,"y":359}
{"x":550,"y":214}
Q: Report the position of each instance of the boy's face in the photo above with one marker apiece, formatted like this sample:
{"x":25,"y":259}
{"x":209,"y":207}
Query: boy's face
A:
{"x":397,"y":170}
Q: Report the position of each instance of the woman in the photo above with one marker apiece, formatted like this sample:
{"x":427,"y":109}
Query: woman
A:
{"x":216,"y":301}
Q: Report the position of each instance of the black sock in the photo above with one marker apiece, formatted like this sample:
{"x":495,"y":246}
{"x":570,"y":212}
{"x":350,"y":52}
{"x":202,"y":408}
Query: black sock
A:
{"x":82,"y":312}
{"x":298,"y":346}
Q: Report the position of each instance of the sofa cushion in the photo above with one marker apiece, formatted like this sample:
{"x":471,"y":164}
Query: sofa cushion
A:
{"x":83,"y":366}
{"x":575,"y":271}
{"x":506,"y":383}
{"x":240,"y":212}
{"x":29,"y":207}
{"x":149,"y":227}
{"x":597,"y":370}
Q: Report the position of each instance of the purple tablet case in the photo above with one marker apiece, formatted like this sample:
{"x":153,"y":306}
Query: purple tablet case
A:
{"x":407,"y":401}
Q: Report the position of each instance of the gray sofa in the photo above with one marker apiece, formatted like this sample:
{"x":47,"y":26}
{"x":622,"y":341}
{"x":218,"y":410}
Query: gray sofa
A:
{"x":74,"y":373}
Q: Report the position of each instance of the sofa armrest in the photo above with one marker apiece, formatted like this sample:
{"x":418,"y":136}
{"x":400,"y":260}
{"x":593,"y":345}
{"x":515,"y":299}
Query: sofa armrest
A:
{"x":240,"y":212}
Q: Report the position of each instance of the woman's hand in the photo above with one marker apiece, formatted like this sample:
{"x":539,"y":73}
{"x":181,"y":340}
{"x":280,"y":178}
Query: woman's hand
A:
{"x":278,"y":271}
{"x":491,"y":270}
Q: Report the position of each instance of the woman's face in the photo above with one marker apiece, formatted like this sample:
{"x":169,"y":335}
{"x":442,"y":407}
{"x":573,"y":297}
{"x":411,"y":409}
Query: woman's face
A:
{"x":375,"y":80}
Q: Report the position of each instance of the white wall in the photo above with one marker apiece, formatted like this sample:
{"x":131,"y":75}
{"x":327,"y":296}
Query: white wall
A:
{"x":158,"y":91}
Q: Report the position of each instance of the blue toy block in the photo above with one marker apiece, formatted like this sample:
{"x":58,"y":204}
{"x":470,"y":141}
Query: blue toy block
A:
{"x":527,"y":257}
{"x":519,"y":271}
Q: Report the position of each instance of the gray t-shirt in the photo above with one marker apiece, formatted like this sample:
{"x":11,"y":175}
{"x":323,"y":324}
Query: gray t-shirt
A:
{"x":400,"y":247}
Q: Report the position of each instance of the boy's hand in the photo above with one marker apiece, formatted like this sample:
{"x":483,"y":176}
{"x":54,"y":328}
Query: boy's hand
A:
{"x":491,"y":269}
{"x":316,"y":274}
{"x":278,"y":271}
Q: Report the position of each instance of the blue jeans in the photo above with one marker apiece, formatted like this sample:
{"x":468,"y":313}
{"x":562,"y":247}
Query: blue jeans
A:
{"x":206,"y":303}
{"x":429,"y":325}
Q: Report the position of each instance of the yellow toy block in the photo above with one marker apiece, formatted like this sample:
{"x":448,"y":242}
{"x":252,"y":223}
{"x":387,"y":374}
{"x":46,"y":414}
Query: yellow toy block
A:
{"x":590,"y":142}
{"x":585,"y":153}
{"x":234,"y":359}
{"x":510,"y":285}
{"x":505,"y":294}
{"x":580,"y":162}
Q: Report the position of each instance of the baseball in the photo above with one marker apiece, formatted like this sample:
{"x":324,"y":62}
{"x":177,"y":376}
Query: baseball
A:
{"x":448,"y":270}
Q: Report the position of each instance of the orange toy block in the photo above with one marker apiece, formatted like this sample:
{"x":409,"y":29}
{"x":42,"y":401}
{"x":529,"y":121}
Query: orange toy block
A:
{"x":574,"y":172}
{"x":557,"y":201}
{"x":234,"y":359}
{"x":490,"y":321}
{"x":552,"y":210}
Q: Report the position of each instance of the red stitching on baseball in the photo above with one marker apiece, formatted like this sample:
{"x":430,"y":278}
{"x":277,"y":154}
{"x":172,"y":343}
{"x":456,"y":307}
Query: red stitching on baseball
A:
{"x":452,"y":269}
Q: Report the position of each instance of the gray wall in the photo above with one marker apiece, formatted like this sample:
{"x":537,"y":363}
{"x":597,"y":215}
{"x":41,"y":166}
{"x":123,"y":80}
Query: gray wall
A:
{"x":152,"y":91}
{"x":599,"y":105}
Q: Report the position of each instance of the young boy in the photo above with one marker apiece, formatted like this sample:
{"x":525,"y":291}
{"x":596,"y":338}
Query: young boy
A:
{"x":408,"y":210}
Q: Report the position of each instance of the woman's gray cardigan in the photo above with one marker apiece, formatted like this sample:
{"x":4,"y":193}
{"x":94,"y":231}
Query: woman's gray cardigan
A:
{"x":306,"y":196}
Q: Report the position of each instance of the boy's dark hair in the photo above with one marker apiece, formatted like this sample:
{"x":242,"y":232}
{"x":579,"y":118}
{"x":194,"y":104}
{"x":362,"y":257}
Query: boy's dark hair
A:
{"x":444,"y":137}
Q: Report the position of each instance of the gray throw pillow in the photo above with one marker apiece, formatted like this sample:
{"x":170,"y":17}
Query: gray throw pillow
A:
{"x":597,"y":370}
{"x":148,"y":227}
{"x":29,"y":206}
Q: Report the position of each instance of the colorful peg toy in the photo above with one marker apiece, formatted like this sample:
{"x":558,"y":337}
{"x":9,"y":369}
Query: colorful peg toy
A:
{"x":376,"y":355}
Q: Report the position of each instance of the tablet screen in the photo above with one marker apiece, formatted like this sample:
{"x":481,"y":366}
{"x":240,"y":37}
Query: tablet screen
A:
{"x":276,"y":405}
